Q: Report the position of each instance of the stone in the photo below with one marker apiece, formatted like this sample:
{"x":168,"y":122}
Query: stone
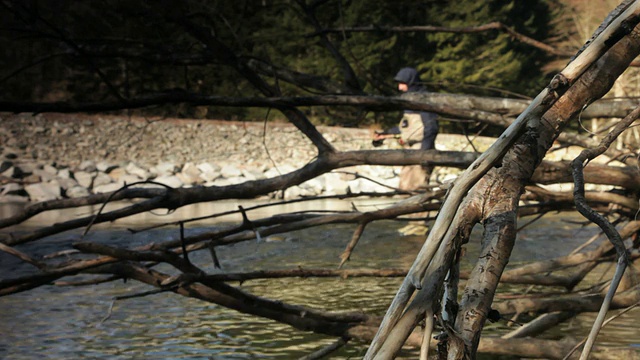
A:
{"x":129,"y":179}
{"x":50,"y":169}
{"x":253,"y":174}
{"x":169,"y":180}
{"x":229,"y":171}
{"x":64,"y":173}
{"x":117,"y":173}
{"x":44,"y":175}
{"x":207,"y":167}
{"x":273,"y":172}
{"x":11,"y":189}
{"x":77,"y":191}
{"x":236,"y":180}
{"x":315,"y":184}
{"x":30,"y":179}
{"x":164,"y":168}
{"x":83,"y":178}
{"x":292,"y":192}
{"x":101,"y":179}
{"x":106,"y":188}
{"x":218,"y":182}
{"x":44,"y":191}
{"x":88,"y":166}
{"x":210,"y":176}
{"x":190,"y":174}
{"x":105,"y":167}
{"x":67,"y":183}
{"x":136,"y":170}
{"x":334,"y":185}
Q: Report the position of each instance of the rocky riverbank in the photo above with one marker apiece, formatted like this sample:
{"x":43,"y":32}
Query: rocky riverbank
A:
{"x":53,"y":156}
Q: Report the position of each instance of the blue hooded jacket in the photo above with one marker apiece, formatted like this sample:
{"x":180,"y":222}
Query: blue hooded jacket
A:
{"x":410,"y":77}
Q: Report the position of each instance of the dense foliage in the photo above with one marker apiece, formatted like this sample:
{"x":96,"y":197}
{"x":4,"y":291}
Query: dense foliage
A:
{"x":117,"y":49}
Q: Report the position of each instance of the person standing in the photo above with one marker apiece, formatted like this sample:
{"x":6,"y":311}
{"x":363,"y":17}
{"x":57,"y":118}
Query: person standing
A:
{"x":417,"y":130}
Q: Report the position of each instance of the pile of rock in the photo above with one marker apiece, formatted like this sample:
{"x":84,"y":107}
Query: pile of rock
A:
{"x":41,"y":182}
{"x":47,"y":156}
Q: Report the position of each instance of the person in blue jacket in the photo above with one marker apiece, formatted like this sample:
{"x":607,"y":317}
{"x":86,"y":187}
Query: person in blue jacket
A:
{"x":417,"y":130}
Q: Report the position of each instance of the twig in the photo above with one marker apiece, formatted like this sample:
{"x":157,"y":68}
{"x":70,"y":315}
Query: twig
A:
{"x":185,"y":254}
{"x":610,"y":231}
{"x":109,"y":312}
{"x":247,"y":223}
{"x":346,"y":254}
{"x":603,"y":325}
{"x":426,"y":335}
{"x":22,"y":256}
{"x":93,"y":219}
{"x":321,"y":353}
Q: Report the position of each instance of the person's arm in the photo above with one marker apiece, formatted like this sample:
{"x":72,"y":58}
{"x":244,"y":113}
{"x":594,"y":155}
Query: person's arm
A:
{"x":380,"y":136}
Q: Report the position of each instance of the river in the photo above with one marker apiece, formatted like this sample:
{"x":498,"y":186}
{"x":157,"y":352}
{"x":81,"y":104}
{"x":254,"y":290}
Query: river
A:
{"x":78,"y":322}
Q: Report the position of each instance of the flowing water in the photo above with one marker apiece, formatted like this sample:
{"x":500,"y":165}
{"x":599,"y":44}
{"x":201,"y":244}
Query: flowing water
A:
{"x":83,"y":322}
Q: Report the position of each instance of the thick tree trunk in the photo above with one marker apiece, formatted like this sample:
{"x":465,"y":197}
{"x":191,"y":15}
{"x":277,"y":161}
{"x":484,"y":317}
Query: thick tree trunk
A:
{"x":507,"y":183}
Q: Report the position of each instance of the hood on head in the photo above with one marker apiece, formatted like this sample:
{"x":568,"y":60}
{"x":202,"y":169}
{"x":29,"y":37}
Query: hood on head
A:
{"x":407,"y":76}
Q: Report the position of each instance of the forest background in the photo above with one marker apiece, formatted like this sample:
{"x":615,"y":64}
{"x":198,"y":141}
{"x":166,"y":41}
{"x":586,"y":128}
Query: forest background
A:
{"x":117,"y":50}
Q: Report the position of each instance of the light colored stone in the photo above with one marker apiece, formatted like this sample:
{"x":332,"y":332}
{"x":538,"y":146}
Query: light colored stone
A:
{"x":11,"y":189}
{"x":136,"y":170}
{"x":64,"y":173}
{"x":253,"y":174}
{"x":292,"y":192}
{"x":210,"y":176}
{"x":164,"y":168}
{"x":101,"y":179}
{"x":105,"y":167}
{"x":169,"y":180}
{"x":207,"y":167}
{"x":44,"y":191}
{"x":67,"y":183}
{"x":77,"y":191}
{"x":236,"y":180}
{"x":218,"y":182}
{"x":315,"y":184}
{"x":106,"y":188}
{"x":50,"y":169}
{"x":334,"y":185}
{"x":190,"y":174}
{"x":128,"y":179}
{"x":83,"y":178}
{"x":44,"y":175}
{"x":117,"y":173}
{"x":230,"y":171}
{"x":88,"y":166}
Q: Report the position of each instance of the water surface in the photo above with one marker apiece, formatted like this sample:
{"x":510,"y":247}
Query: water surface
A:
{"x":83,"y":322}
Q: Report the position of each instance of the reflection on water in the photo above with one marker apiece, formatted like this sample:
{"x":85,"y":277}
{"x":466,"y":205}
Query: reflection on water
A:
{"x":55,"y":323}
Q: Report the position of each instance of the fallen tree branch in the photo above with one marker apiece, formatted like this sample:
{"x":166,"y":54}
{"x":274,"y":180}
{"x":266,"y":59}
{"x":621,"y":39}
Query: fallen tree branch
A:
{"x":608,"y":229}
